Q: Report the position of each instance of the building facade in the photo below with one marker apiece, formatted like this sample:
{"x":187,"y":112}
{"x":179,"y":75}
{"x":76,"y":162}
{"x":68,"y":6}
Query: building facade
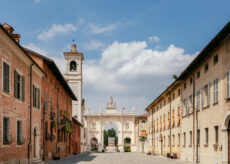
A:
{"x":141,"y":132}
{"x":20,"y":102}
{"x":203,"y":132}
{"x":97,"y":122}
{"x":56,"y":110}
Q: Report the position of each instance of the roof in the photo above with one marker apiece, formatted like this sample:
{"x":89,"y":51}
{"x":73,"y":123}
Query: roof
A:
{"x":53,"y":67}
{"x":2,"y":28}
{"x":76,"y":121}
{"x":145,"y":115}
{"x":168,"y":89}
{"x":205,"y":53}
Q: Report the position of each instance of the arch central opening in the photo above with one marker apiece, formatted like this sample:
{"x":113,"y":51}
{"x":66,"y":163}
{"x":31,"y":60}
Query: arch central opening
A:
{"x":111,"y":138}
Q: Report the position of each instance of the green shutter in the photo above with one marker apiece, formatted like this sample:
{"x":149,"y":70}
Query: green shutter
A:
{"x":34,"y":97}
{"x":38,"y":105}
{"x":15,"y":83}
{"x":23,"y":88}
{"x":6,"y":77}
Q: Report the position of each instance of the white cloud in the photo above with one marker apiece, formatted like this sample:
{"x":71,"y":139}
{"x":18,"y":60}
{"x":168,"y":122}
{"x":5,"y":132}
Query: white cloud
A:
{"x":96,"y":29}
{"x":132,"y":73}
{"x":37,"y":49}
{"x":56,"y":29}
{"x":154,"y":38}
{"x":93,"y":45}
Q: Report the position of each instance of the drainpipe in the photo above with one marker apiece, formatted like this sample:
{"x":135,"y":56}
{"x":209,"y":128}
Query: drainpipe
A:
{"x":43,"y":123}
{"x":170,"y":127}
{"x":58,"y":112}
{"x":152,"y":132}
{"x":29,"y":144}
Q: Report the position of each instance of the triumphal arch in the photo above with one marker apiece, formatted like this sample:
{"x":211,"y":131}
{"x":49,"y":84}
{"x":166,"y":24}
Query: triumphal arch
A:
{"x":96,"y":122}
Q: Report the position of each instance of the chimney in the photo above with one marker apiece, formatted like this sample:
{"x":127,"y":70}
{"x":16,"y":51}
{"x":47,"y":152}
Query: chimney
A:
{"x":10,"y":30}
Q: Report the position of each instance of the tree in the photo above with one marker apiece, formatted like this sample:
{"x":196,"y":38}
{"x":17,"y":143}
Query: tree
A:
{"x":174,"y":77}
{"x":110,"y":133}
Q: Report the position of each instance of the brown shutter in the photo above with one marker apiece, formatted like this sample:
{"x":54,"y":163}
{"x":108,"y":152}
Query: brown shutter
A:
{"x":34,"y":97}
{"x":6,"y":77}
{"x":15,"y":83}
{"x":23,"y":88}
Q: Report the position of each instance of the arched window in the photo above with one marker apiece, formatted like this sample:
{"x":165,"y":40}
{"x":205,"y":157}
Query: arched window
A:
{"x":73,"y":66}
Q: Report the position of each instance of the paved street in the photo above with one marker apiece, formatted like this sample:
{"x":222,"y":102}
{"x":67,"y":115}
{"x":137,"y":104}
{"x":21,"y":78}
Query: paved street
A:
{"x":116,"y":158}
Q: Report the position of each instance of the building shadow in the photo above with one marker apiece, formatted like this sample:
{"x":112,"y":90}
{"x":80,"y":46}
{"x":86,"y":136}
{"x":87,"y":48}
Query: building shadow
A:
{"x":73,"y":159}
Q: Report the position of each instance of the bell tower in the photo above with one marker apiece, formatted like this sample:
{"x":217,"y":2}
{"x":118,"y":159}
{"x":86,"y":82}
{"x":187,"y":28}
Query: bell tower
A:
{"x":73,"y":75}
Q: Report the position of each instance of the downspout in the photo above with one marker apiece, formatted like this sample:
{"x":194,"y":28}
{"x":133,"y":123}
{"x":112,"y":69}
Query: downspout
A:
{"x":152,"y":132}
{"x":44,"y":132}
{"x":29,"y":144}
{"x":170,"y":130}
{"x":58,"y":112}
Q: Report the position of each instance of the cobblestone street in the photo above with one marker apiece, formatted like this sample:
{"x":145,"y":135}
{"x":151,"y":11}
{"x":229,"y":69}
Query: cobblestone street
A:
{"x":116,"y":158}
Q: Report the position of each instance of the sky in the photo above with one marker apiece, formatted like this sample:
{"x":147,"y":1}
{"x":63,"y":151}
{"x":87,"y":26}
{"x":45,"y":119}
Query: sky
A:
{"x":131,"y":48}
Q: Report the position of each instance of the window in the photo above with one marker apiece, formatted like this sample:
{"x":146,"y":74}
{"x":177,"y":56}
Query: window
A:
{"x":143,"y":134}
{"x":215,"y":59}
{"x":198,"y":136}
{"x":173,"y":96}
{"x":206,"y":67}
{"x":19,"y":86}
{"x":216,"y":134}
{"x":178,"y":92}
{"x":19,"y":132}
{"x":198,"y":100}
{"x":215,"y":91}
{"x":178,"y":116}
{"x":6,"y":130}
{"x":73,"y":66}
{"x":173,"y":123}
{"x":191,"y":80}
{"x":184,"y":85}
{"x":205,"y":96}
{"x":228,"y":84}
{"x":198,"y":75}
{"x":6,"y":77}
{"x":164,"y":102}
{"x":206,"y":136}
{"x":169,"y":99}
{"x":178,"y":139}
{"x":173,"y":140}
{"x":186,"y":106}
{"x":184,"y":138}
{"x":51,"y":104}
{"x":190,"y":133}
{"x":190,"y":108}
{"x":164,"y":121}
{"x":143,"y":121}
{"x":36,"y":97}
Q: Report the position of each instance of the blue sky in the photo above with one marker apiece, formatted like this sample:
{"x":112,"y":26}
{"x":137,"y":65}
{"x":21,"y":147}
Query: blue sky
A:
{"x":131,"y":47}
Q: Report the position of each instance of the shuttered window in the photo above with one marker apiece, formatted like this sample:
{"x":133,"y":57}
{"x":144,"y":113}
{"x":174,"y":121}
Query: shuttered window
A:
{"x":6,"y":77}
{"x":6,"y":130}
{"x":36,"y":97}
{"x":19,"y":132}
{"x":198,"y":100}
{"x":215,"y":91}
{"x":19,"y":86}
{"x":228,"y":84}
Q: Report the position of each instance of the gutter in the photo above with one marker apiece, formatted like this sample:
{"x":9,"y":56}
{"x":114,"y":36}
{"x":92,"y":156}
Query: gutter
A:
{"x":29,"y":144}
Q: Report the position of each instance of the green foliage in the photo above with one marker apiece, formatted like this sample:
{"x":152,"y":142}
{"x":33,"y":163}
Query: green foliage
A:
{"x":127,"y":141}
{"x":142,"y":138}
{"x":174,"y":77}
{"x":110,"y":133}
{"x":54,"y":124}
{"x":127,"y":148}
{"x":68,"y":127}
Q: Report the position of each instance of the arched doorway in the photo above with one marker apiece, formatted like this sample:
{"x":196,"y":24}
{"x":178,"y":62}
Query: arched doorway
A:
{"x":94,"y":144}
{"x":127,"y":144}
{"x":110,"y":138}
{"x":36,"y":143}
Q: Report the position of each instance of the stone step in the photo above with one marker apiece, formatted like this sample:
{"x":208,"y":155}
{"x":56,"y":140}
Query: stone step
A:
{"x":37,"y":161}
